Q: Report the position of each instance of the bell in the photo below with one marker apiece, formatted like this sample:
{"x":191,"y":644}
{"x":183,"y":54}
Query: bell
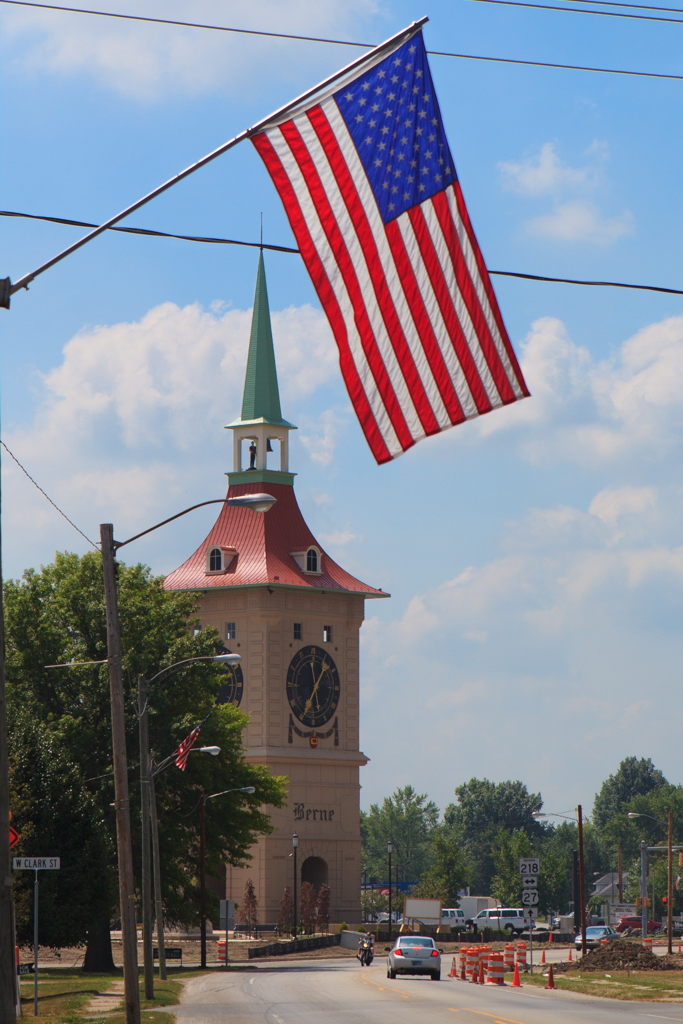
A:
{"x":269,"y":446}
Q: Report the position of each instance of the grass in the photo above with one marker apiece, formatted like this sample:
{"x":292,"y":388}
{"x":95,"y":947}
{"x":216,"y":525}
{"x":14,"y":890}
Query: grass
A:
{"x":655,"y":986}
{"x":64,"y":992}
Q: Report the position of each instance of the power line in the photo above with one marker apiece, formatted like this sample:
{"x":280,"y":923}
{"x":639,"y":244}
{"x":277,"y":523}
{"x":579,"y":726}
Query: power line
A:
{"x":640,"y":7}
{"x":348,"y":42}
{"x":289,"y":249}
{"x":581,"y":10}
{"x":26,"y":472}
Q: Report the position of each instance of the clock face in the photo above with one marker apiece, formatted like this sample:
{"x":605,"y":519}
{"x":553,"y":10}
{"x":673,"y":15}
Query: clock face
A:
{"x":313,"y":686}
{"x":233,"y":685}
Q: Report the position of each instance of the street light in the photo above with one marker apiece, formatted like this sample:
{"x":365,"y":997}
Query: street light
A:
{"x":202,"y":867}
{"x":582,"y":882}
{"x":295,"y":847}
{"x":143,"y":726}
{"x":390,"y":849}
{"x":643,"y":875}
{"x":109,"y":547}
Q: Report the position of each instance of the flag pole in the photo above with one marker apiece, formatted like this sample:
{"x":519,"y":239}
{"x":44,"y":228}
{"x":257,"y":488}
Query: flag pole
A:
{"x":9,"y":289}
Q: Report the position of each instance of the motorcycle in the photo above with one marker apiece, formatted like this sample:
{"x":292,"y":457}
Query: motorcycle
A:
{"x":365,"y":952}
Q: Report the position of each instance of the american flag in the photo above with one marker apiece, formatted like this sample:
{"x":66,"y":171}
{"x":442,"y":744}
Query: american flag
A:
{"x":186,"y":746}
{"x":368,"y":183}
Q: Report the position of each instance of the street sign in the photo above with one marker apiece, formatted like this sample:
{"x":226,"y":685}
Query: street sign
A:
{"x":35,"y":863}
{"x":529,"y":881}
{"x":25,"y":968}
{"x":530,"y":913}
{"x":529,"y":897}
{"x":529,"y":865}
{"x":14,"y":837}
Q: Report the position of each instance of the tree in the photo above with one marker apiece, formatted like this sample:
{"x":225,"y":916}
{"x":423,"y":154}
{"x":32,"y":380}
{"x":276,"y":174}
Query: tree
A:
{"x":506,"y":884}
{"x":373,"y":903}
{"x":249,"y":907}
{"x":407,"y":819}
{"x":307,"y":907}
{"x":322,"y":909}
{"x":58,"y":615}
{"x":483,"y":809}
{"x":633,"y":778}
{"x":285,"y":921}
{"x":448,"y":875}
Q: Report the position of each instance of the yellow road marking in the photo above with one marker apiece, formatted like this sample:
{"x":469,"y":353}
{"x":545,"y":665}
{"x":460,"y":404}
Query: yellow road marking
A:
{"x":496,"y":1017}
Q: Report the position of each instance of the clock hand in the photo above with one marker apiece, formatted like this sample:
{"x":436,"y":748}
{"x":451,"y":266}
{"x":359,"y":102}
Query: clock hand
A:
{"x":316,"y":684}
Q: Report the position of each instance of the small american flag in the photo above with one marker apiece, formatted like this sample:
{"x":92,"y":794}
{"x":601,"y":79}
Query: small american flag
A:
{"x":368,"y":183}
{"x":185,"y":748}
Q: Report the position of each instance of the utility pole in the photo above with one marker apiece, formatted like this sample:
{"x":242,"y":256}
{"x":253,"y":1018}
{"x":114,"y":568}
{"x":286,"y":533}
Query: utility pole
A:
{"x":670,"y":886}
{"x":576,"y":892}
{"x":8,"y":967}
{"x":148,"y":951}
{"x":582,"y":882}
{"x":118,"y":733}
{"x":158,"y":906}
{"x":202,"y":877}
{"x":643,"y":886}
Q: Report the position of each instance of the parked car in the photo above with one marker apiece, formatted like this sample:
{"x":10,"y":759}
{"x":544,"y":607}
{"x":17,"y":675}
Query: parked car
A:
{"x":595,"y":935}
{"x":414,"y":954}
{"x":453,"y":916}
{"x":636,"y":922}
{"x":507,"y":919}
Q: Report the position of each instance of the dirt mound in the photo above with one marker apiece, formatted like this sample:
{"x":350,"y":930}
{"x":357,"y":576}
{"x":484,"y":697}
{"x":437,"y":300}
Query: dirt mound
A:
{"x":618,"y":955}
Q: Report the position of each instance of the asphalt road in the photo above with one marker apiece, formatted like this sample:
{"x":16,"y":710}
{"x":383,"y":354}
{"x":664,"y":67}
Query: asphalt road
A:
{"x":343,"y":992}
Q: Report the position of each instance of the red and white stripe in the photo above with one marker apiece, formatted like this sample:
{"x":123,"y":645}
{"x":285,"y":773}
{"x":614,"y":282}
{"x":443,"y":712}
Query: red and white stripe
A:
{"x":421,"y":340}
{"x":185,"y":747}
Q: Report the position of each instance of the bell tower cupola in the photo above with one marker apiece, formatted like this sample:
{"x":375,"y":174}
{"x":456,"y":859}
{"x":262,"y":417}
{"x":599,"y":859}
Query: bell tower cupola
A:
{"x":261,"y":422}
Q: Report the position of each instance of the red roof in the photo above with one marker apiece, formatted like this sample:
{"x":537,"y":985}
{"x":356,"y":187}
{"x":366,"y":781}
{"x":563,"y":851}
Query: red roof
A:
{"x":264,"y":543}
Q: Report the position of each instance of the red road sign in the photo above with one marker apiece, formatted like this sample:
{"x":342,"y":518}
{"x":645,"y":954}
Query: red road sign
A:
{"x":384,"y":891}
{"x":14,"y":837}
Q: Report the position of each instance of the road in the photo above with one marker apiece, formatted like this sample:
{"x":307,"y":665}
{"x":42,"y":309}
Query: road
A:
{"x":343,"y":992}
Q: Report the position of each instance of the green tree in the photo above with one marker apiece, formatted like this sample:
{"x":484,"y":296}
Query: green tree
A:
{"x":483,"y":809}
{"x":506,"y":884}
{"x":408,"y":819}
{"x":447,"y":875}
{"x":57,"y":615}
{"x":633,"y":778}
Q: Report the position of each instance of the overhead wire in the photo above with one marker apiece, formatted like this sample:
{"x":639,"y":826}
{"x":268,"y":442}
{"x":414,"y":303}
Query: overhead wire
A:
{"x":337,"y":42}
{"x":580,"y":10}
{"x":289,"y":249}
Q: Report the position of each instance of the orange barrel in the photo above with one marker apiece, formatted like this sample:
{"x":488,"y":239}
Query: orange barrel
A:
{"x":521,"y":955}
{"x":221,"y":951}
{"x":463,"y":964}
{"x":509,"y":957}
{"x":496,"y":970}
{"x":472,"y":962}
{"x":648,"y":943}
{"x":603,"y":942}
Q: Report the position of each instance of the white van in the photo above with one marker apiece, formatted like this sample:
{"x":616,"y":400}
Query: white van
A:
{"x":507,"y":919}
{"x":453,"y":916}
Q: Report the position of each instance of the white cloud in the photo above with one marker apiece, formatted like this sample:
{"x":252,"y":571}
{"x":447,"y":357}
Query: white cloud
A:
{"x":321,"y":435}
{"x":610,"y":504}
{"x":545,"y":174}
{"x":580,"y":221}
{"x":146,"y":61}
{"x":339,"y":538}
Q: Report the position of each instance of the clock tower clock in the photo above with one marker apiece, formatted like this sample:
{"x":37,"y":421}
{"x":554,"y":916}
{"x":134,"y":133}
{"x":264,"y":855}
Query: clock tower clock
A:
{"x":278,"y":599}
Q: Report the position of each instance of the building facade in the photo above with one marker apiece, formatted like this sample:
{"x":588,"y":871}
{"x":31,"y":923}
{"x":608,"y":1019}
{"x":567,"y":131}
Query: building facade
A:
{"x":294,"y":615}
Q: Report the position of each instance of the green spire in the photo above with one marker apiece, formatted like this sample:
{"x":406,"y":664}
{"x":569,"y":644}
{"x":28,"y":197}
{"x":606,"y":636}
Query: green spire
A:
{"x":261,"y":399}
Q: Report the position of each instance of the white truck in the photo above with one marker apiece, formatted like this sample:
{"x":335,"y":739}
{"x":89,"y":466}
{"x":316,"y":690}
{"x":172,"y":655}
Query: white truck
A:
{"x":473,"y":905}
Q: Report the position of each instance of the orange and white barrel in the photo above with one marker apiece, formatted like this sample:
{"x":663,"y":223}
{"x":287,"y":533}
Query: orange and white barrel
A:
{"x":463,"y":964}
{"x":520,"y":955}
{"x":495,"y":974}
{"x":509,"y":957}
{"x":221,"y":950}
{"x":647,"y":942}
{"x":472,"y":963}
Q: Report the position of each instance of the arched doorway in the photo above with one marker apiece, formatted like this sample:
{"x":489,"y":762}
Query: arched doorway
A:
{"x":314,"y":870}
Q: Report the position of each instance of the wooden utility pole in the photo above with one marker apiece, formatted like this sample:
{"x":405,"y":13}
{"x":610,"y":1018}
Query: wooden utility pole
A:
{"x":202,"y":877}
{"x":129,"y":935}
{"x":147,"y":948}
{"x":8,"y":969}
{"x":582,"y":882}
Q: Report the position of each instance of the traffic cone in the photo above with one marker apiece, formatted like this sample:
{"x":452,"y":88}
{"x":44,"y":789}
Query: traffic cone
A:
{"x":551,"y":983}
{"x":550,"y":937}
{"x":679,"y":945}
{"x":516,"y":983}
{"x":454,"y":973}
{"x":481,"y":972}
{"x":569,"y":958}
{"x":543,"y":957}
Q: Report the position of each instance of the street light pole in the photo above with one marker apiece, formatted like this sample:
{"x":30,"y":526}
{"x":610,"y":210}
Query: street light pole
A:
{"x":202,"y":877}
{"x":643,"y":887}
{"x":295,"y":846}
{"x":8,"y":967}
{"x":582,"y":882}
{"x":158,"y":906}
{"x":390,"y":847}
{"x":129,"y":938}
{"x":670,"y":887}
{"x":148,"y":953}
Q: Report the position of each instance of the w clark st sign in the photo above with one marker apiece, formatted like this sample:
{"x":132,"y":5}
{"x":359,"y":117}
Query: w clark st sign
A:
{"x":35,"y":863}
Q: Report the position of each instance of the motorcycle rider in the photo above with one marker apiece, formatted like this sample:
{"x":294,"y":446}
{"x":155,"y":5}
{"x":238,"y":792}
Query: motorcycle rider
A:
{"x":365,"y":950}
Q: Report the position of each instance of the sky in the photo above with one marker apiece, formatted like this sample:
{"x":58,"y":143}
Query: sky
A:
{"x":534,"y":557}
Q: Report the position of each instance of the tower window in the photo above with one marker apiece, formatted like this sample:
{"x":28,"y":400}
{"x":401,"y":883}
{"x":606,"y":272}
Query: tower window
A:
{"x":327,"y":634}
{"x":311,"y":560}
{"x":230,"y":631}
{"x":297,"y":631}
{"x":215,"y":560}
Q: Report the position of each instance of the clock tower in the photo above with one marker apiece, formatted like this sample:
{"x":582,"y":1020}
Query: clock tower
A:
{"x":278,"y":599}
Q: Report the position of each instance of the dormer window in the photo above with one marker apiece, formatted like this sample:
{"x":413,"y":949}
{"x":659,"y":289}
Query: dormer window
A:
{"x":310,"y":560}
{"x":218,"y":559}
